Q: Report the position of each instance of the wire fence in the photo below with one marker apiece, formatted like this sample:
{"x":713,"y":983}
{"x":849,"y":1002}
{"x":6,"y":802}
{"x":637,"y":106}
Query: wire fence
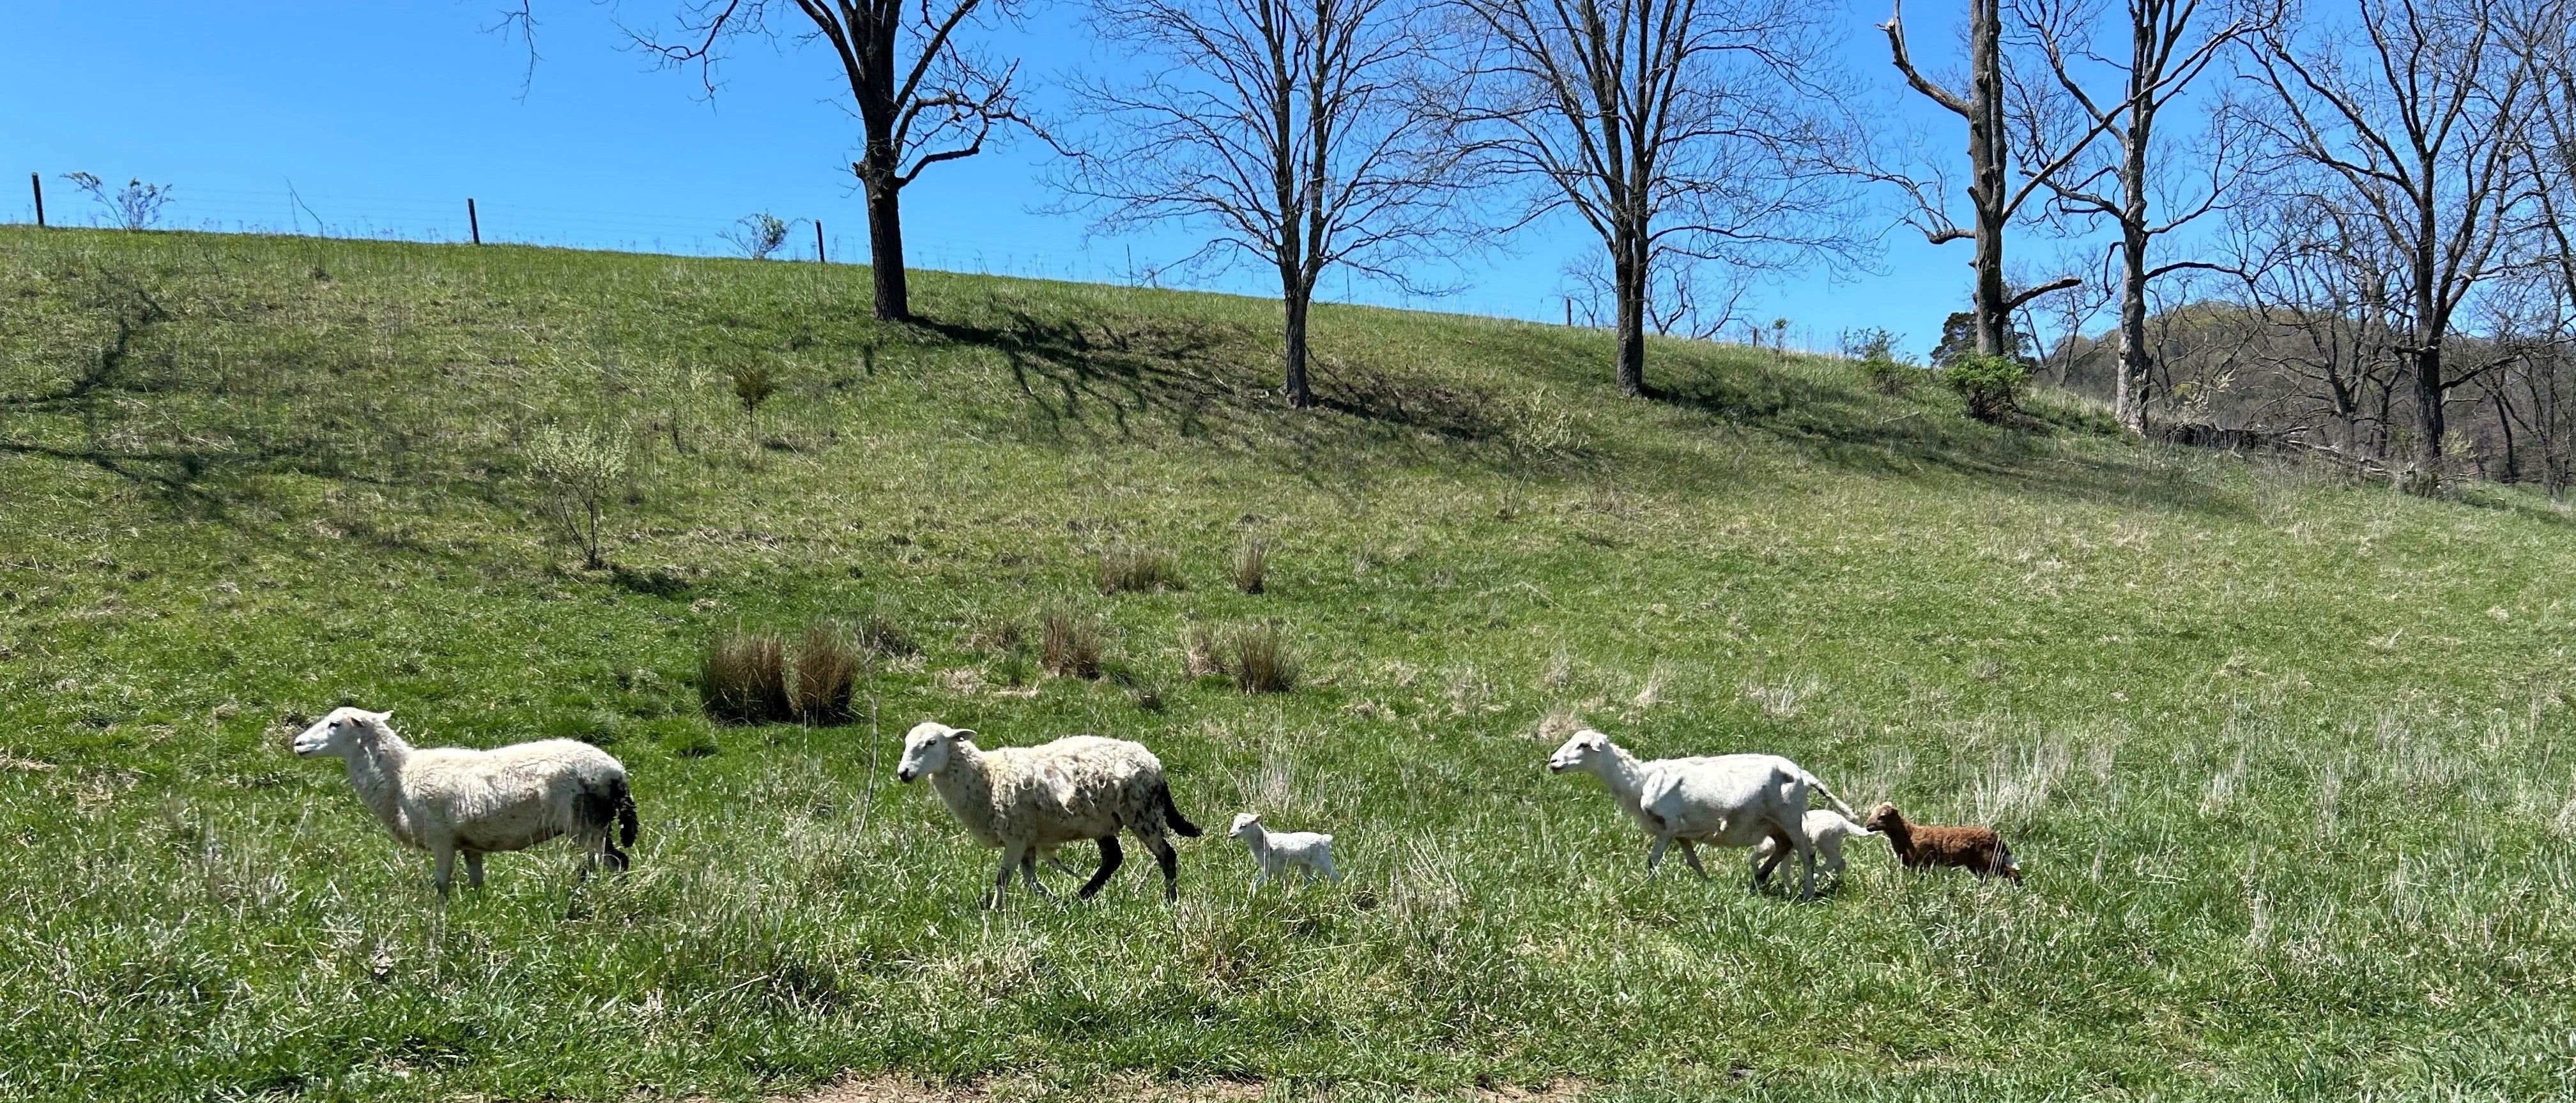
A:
{"x":500,"y":220}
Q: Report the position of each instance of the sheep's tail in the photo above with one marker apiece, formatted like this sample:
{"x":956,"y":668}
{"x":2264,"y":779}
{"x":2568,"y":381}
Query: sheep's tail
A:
{"x":625,"y":814}
{"x":1818,"y":785}
{"x":1180,"y":824}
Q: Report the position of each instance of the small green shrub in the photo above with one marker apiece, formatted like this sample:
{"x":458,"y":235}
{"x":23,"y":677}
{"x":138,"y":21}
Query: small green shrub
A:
{"x":1071,"y":643}
{"x":1991,"y":384}
{"x":690,"y":743}
{"x":1126,"y":570}
{"x":742,"y":679}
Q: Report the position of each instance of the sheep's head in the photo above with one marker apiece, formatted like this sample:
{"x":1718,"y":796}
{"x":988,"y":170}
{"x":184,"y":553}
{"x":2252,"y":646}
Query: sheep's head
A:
{"x":1883,"y":818}
{"x":1245,"y":823}
{"x":926,"y":749}
{"x":1579,"y":752}
{"x":339,"y":733}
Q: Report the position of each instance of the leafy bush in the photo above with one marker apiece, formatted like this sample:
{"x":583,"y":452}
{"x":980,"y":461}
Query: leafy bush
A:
{"x":757,"y":235}
{"x":1260,"y":660}
{"x":742,"y":679}
{"x":1071,"y":643}
{"x":578,"y":471}
{"x":1888,"y":370}
{"x":1991,"y":384}
{"x":1137,"y":570}
{"x":827,"y":669}
{"x":1252,"y":566}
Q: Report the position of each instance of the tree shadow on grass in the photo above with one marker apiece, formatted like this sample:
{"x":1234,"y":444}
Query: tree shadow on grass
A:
{"x":1851,"y":430}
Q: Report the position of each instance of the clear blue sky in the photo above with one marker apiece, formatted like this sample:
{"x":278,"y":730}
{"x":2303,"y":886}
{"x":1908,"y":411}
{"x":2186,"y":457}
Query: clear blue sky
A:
{"x":383,"y":117}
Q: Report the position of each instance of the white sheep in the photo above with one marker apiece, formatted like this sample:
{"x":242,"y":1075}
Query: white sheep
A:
{"x":1030,"y":800}
{"x":1826,"y":829}
{"x":451,"y":800}
{"x":1723,"y":800}
{"x":1274,"y":853}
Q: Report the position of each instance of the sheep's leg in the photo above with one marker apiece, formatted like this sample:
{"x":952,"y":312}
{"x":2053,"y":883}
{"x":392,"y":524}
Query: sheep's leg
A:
{"x":1807,"y":890}
{"x":1029,"y":873}
{"x":474,"y":869}
{"x":1330,"y":873}
{"x":445,"y":856}
{"x":1110,"y":858}
{"x":1171,"y":864}
{"x":1781,"y":845}
{"x":1655,"y":854}
{"x":1690,"y":854}
{"x":1002,"y":879}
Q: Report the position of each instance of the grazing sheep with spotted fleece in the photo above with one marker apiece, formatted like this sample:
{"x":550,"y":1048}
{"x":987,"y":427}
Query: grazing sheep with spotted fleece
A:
{"x":1723,"y":800}
{"x":452,"y":800}
{"x":1030,"y":800}
{"x":1922,"y":846}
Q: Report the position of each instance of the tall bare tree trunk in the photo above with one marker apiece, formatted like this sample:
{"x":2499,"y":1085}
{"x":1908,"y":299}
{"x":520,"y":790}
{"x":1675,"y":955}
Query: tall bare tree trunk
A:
{"x":1298,"y":298}
{"x":885,"y":247}
{"x":1628,"y":270}
{"x":1986,"y":154}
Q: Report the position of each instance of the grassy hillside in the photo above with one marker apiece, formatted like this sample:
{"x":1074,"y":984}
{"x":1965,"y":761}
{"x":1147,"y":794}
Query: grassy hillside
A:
{"x":2287,"y":761}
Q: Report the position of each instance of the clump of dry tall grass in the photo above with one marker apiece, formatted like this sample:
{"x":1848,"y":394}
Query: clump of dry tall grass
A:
{"x":742,"y":678}
{"x":1132,"y":570}
{"x":827,"y":670}
{"x":1260,"y":660}
{"x":1252,"y":567}
{"x":1071,"y":643}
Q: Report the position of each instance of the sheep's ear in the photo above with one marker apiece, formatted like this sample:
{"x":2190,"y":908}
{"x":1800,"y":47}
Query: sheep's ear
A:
{"x":961,"y":733}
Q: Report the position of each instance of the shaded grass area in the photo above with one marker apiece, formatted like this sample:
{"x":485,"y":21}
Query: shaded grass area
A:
{"x":2286,"y":760}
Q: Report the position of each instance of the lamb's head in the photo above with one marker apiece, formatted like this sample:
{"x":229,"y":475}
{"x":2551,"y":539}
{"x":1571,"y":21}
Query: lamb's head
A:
{"x":1246,"y":825}
{"x":343,"y":731}
{"x":1883,"y":818}
{"x":1582,"y":751}
{"x":926,"y":749}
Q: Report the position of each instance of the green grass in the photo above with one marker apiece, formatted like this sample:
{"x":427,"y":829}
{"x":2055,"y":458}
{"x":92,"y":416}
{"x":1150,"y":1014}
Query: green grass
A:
{"x":2287,"y":760}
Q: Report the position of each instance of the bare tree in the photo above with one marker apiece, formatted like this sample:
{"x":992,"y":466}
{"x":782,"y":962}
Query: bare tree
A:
{"x":1681,"y":131}
{"x":922,"y":96}
{"x":1294,"y":131}
{"x":1994,"y":196}
{"x":2414,"y":122}
{"x":2544,"y":38}
{"x":2170,"y":44}
{"x":2316,"y":300}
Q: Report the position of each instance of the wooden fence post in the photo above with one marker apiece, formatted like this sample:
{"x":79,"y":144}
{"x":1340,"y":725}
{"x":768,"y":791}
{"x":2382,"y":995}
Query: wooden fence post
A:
{"x":36,"y":181}
{"x":473,"y":223}
{"x":818,"y":243}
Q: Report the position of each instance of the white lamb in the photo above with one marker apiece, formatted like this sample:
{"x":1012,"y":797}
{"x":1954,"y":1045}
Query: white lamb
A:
{"x":1030,"y":800}
{"x":1826,"y":829}
{"x":1724,"y":800}
{"x":1274,"y":853}
{"x":451,"y":800}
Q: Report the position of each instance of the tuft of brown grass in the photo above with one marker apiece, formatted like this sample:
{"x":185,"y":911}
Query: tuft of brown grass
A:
{"x":827,"y":669}
{"x":1071,"y":643}
{"x":1201,"y":655}
{"x":1252,"y":566}
{"x":742,"y":678}
{"x":1131,"y":570}
{"x":1260,"y":660}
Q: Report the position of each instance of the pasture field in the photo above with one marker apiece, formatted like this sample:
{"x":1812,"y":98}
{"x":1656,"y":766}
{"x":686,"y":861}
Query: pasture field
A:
{"x":2288,"y":759}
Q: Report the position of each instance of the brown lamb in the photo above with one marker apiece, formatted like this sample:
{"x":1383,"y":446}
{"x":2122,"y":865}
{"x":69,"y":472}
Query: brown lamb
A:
{"x":1976,"y":849}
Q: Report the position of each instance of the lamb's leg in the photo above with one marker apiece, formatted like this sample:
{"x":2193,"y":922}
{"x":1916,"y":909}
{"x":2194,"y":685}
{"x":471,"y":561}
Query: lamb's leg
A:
{"x":1171,"y":864}
{"x":1832,"y":846}
{"x":1807,"y":891}
{"x":1330,"y":873}
{"x":474,"y":869}
{"x":1029,"y":873}
{"x":1691,"y":854}
{"x":445,"y":856}
{"x":1110,"y":858}
{"x":1655,"y":854}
